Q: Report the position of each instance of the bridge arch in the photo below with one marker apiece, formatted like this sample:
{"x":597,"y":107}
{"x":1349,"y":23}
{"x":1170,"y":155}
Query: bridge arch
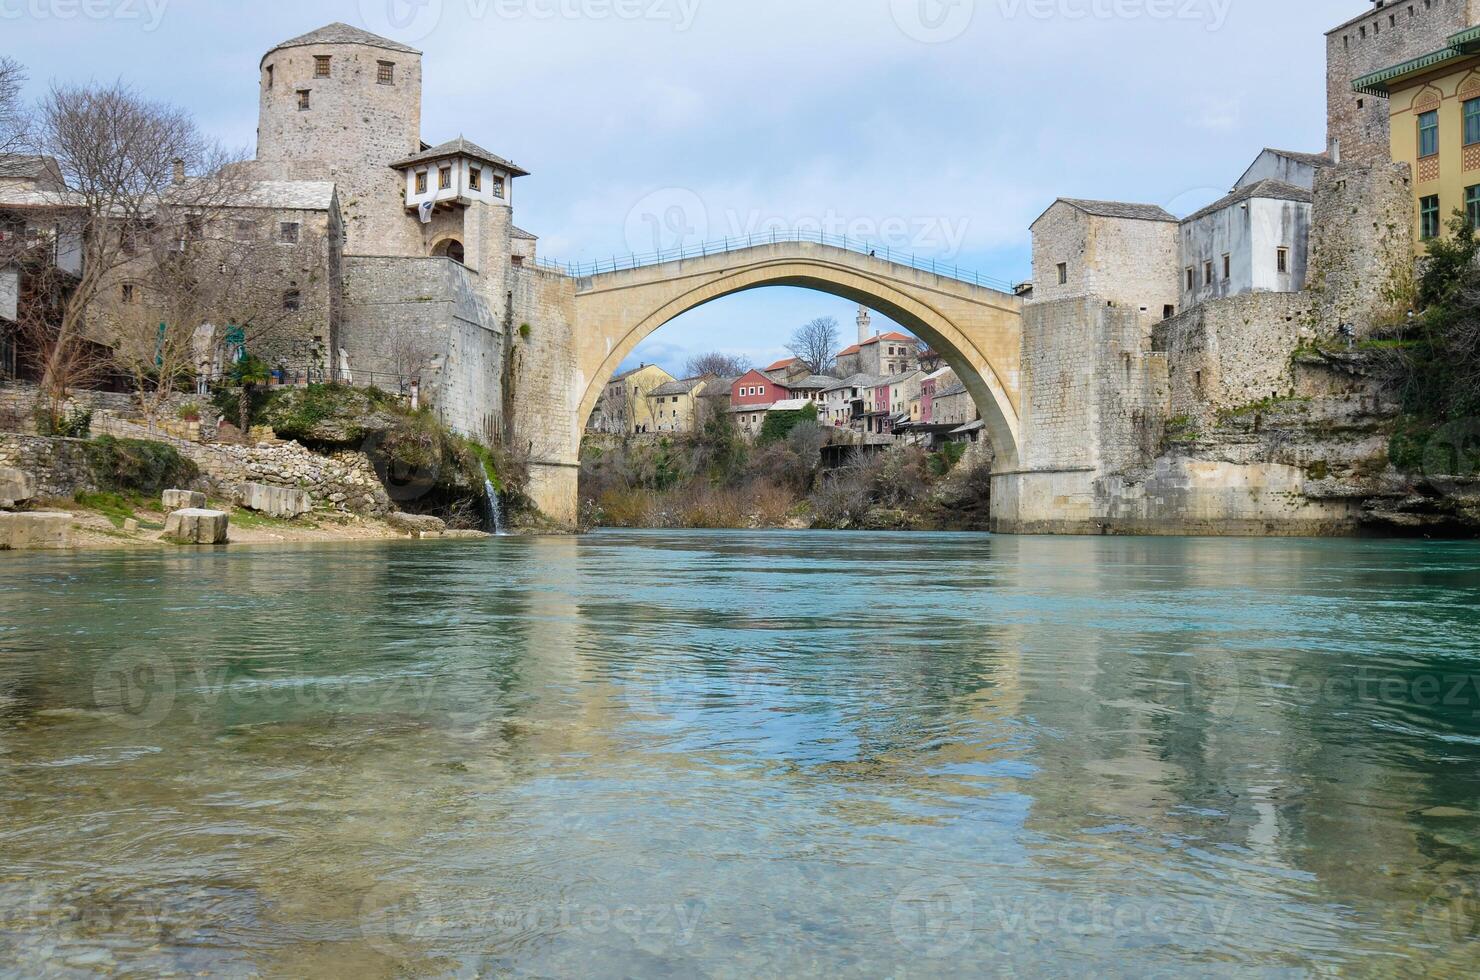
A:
{"x":974,"y":328}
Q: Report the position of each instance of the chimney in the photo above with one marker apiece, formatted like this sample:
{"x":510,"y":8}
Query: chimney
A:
{"x":179,"y":171}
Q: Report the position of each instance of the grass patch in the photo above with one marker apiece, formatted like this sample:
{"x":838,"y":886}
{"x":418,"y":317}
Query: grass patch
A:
{"x":252,"y":520}
{"x":114,"y":506}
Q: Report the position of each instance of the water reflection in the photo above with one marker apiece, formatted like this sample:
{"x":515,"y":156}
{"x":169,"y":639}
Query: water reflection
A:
{"x":646,"y":753}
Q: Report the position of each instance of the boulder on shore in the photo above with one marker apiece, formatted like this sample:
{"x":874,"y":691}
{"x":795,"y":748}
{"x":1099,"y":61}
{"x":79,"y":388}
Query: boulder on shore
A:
{"x":277,"y":502}
{"x":16,"y":487}
{"x":196,"y":526}
{"x":414,"y":524}
{"x":183,"y":500}
{"x":37,"y":531}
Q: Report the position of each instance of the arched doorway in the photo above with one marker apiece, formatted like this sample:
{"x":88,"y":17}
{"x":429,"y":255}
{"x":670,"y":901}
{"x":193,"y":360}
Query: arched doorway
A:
{"x":449,"y":248}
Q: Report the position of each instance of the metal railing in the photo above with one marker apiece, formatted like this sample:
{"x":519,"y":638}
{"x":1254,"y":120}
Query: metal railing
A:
{"x":620,"y":263}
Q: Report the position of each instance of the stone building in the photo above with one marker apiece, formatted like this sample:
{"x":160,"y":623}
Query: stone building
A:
{"x":625,"y":407}
{"x":1253,"y":240}
{"x":1390,"y":32}
{"x":1285,"y":166}
{"x":882,"y":354}
{"x":676,"y":406}
{"x":1125,"y":253}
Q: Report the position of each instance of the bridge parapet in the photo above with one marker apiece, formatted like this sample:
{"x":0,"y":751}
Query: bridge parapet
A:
{"x":621,"y":263}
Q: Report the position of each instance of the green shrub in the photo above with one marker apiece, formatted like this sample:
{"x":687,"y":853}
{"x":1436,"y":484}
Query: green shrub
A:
{"x":139,"y":466}
{"x":778,"y":425}
{"x":75,"y":424}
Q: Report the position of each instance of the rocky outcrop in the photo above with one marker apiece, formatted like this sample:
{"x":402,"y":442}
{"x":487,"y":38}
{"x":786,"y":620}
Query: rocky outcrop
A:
{"x":35,"y":531}
{"x":345,"y":480}
{"x":197,"y":527}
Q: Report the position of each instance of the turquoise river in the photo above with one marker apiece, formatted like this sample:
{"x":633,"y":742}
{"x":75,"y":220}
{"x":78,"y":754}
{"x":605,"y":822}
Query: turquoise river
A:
{"x":743,"y":754}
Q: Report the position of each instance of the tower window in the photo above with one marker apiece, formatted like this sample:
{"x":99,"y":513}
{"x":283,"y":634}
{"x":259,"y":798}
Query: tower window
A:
{"x":321,"y":66}
{"x":498,"y":187}
{"x":292,"y":301}
{"x":421,"y":182}
{"x":128,"y":292}
{"x":385,"y":72}
{"x":288,"y":232}
{"x":1063,"y":273}
{"x":1191,"y":280}
{"x":270,"y":73}
{"x":1282,"y":260}
{"x":444,"y":178}
{"x":303,"y":100}
{"x":475,"y":179}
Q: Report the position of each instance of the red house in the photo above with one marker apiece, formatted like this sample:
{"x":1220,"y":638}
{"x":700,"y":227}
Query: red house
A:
{"x":754,"y":390}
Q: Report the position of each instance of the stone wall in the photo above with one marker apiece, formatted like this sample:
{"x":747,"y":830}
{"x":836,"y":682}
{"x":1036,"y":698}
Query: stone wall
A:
{"x":59,"y":467}
{"x":437,"y":307}
{"x":1388,"y":34}
{"x":345,"y":481}
{"x":1233,"y":352}
{"x":1361,"y":245}
{"x":544,"y":387}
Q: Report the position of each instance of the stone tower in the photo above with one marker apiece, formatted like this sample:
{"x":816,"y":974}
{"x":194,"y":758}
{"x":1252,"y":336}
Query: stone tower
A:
{"x":343,"y":104}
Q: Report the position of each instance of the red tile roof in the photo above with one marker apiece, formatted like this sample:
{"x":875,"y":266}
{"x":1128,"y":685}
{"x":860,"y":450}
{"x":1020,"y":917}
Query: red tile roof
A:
{"x":783,"y":364}
{"x":851,"y":350}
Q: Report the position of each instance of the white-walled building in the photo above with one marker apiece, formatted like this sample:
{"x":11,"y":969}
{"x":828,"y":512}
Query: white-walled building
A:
{"x":1254,"y":240}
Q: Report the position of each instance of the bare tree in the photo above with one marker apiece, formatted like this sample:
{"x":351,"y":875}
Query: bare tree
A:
{"x":15,"y":118}
{"x":122,"y":161}
{"x":411,"y":355}
{"x":815,"y":344}
{"x":718,"y":364}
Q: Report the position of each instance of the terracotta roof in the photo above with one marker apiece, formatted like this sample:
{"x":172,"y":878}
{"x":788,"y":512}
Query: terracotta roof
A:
{"x":782,"y":364}
{"x":850,"y":350}
{"x":1273,"y":190}
{"x":341,"y":33}
{"x":460,"y":148}
{"x":894,"y":336}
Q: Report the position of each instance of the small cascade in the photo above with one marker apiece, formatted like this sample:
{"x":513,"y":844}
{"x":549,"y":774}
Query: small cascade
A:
{"x":494,"y":508}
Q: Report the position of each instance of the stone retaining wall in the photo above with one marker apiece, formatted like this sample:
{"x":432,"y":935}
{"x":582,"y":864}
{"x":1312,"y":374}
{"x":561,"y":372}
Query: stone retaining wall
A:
{"x":59,"y":467}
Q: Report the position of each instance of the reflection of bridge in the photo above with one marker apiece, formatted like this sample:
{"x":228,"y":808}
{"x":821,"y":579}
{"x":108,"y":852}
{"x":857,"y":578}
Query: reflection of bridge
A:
{"x":619,"y":304}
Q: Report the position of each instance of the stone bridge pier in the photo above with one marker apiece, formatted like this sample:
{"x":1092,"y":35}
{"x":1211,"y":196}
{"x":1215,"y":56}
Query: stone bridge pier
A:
{"x":587,"y":326}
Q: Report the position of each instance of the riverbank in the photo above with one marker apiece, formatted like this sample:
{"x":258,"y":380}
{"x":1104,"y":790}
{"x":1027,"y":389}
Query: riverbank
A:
{"x":101,"y":522}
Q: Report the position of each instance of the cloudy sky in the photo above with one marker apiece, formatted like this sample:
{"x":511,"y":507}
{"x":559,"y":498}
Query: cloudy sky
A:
{"x":943,"y":127}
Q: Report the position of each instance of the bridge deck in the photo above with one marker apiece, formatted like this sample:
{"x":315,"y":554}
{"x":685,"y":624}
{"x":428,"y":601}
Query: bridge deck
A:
{"x":619,"y":263}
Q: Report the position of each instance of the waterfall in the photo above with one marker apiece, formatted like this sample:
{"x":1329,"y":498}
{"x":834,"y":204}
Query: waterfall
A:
{"x":494,"y":507}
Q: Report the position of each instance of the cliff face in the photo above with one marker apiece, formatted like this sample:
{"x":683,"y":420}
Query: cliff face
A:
{"x":1342,"y":442}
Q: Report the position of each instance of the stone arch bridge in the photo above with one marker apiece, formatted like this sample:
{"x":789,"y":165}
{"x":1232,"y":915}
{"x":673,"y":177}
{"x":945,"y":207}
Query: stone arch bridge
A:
{"x":975,"y":327}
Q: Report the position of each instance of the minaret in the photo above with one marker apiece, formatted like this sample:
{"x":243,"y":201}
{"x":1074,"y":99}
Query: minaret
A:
{"x":864,"y":324}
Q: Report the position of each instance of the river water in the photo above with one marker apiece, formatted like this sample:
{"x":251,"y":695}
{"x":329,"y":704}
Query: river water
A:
{"x":741,"y":754}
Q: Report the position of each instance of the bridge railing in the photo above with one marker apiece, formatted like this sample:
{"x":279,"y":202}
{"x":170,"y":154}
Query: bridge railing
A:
{"x":620,"y":263}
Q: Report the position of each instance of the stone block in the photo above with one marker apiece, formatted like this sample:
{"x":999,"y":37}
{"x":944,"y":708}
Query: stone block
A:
{"x":183,"y":500}
{"x":38,"y":531}
{"x":16,"y":487}
{"x":277,"y":502}
{"x":414,"y":524}
{"x":196,"y":526}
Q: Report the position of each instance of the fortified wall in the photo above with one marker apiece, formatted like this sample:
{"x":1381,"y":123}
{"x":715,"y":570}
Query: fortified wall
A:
{"x":1121,"y":419}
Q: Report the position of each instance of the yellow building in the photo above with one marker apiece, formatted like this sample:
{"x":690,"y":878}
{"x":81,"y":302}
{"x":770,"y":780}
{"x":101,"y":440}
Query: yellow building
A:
{"x":1434,"y":108}
{"x":624,"y":407}
{"x":675,"y":406}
